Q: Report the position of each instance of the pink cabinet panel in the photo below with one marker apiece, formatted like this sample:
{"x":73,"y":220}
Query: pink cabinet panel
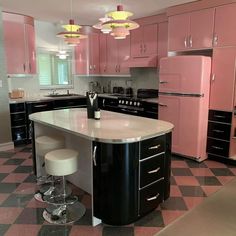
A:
{"x":112,"y":55}
{"x":136,"y":42}
{"x":225,"y":18}
{"x":94,"y":53}
{"x":162,"y":40}
{"x":202,"y":25}
{"x":103,"y":53}
{"x":123,"y":55}
{"x":81,"y":58}
{"x":223,"y":79}
{"x":178,"y":32}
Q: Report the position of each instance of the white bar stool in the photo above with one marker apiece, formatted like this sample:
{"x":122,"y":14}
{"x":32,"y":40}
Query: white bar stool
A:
{"x":62,"y":209}
{"x":43,"y":145}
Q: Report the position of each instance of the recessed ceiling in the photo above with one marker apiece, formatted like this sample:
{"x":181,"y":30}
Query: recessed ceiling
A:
{"x":84,"y":12}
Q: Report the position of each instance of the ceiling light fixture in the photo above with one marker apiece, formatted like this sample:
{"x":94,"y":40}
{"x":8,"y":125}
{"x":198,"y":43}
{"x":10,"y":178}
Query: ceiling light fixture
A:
{"x":71,"y":32}
{"x":104,"y":29}
{"x":62,"y":54}
{"x":120,"y":25}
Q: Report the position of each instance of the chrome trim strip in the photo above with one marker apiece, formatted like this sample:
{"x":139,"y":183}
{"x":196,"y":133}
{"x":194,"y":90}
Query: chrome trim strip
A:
{"x":158,"y":154}
{"x":162,"y":178}
{"x":182,"y":94}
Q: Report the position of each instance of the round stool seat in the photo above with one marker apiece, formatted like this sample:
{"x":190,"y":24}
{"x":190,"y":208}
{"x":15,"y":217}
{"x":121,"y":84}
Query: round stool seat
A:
{"x":61,"y":162}
{"x":45,"y":144}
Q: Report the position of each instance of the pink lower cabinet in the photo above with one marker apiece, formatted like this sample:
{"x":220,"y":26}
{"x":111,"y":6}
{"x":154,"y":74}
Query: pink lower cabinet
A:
{"x":189,"y":116}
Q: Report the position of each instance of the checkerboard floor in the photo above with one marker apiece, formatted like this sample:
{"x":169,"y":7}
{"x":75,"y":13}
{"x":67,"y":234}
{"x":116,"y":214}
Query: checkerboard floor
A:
{"x":20,"y":214}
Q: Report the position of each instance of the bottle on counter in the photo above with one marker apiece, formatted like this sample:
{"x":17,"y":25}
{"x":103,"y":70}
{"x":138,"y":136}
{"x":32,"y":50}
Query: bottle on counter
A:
{"x":97,"y":114}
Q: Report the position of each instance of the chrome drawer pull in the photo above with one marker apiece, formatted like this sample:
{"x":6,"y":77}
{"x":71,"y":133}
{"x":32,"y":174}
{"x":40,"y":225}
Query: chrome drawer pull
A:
{"x":162,"y":105}
{"x":154,"y":171}
{"x":94,"y":156}
{"x":38,"y":106}
{"x":217,"y":116}
{"x":154,"y":147}
{"x":218,"y":148}
{"x":153,"y":198}
{"x":218,"y":131}
{"x":163,"y":82}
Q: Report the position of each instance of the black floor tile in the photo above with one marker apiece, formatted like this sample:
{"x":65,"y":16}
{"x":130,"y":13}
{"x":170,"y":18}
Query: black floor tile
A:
{"x":118,"y":231}
{"x":208,"y":180}
{"x":30,"y":179}
{"x":55,"y":230}
{"x":6,"y":154}
{"x":27,"y":149}
{"x":31,"y":216}
{"x":3,"y":229}
{"x":14,"y":161}
{"x":194,"y":164}
{"x":3,"y":175}
{"x":8,"y":187}
{"x":192,"y":191}
{"x":86,"y":219}
{"x":174,"y":203}
{"x":17,"y":200}
{"x":23,"y":169}
{"x":153,"y":219}
{"x":181,"y":172}
{"x":222,"y":172}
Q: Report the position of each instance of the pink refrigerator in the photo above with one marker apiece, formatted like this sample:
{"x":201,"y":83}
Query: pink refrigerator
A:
{"x":183,"y":100}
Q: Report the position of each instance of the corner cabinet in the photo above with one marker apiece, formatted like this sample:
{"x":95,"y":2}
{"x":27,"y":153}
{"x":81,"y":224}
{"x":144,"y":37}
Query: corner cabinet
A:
{"x":130,"y":179}
{"x":19,"y":43}
{"x":191,"y":31}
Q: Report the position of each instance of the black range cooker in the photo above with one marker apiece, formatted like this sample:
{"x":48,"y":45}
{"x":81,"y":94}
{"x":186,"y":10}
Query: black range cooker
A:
{"x":133,"y":105}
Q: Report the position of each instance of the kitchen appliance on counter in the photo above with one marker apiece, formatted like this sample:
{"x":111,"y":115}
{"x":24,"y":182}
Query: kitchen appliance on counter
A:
{"x":184,"y":101}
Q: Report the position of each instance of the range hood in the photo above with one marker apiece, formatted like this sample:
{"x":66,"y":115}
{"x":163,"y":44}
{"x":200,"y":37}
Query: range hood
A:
{"x":150,"y":61}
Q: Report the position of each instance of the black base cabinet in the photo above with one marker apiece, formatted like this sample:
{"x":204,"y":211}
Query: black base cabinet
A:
{"x":130,"y":179}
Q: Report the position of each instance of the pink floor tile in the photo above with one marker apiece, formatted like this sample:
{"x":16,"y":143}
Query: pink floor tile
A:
{"x":3,"y":160}
{"x":225,"y":179}
{"x":192,"y":202}
{"x":86,"y":231}
{"x":146,"y":231}
{"x":23,"y":230}
{"x":201,"y":172}
{"x":7,"y":168}
{"x":169,"y":216}
{"x":87,"y":201}
{"x":15,"y":178}
{"x":33,"y":203}
{"x":174,"y":191}
{"x":3,"y":197}
{"x":214,"y":164}
{"x":27,"y":162}
{"x":233,"y":170}
{"x":26,"y":188}
{"x":186,"y":180}
{"x":22,"y":155}
{"x":8,"y":215}
{"x":179,"y":164}
{"x":210,"y":189}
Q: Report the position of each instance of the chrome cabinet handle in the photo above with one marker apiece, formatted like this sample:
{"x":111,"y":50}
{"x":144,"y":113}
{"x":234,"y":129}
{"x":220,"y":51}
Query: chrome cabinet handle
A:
{"x":218,"y":148}
{"x":213,"y":76}
{"x":94,"y":67}
{"x":190,"y":41}
{"x":162,"y":105}
{"x":103,"y":102}
{"x":215,"y":40}
{"x":185,"y":42}
{"x":38,"y":106}
{"x":116,"y":68}
{"x":154,"y":147}
{"x":135,"y":112}
{"x":218,"y":131}
{"x":30,"y":67}
{"x":94,"y":155}
{"x":90,"y":67}
{"x":163,"y":82}
{"x":153,"y":198}
{"x":24,"y":66}
{"x":141,"y":48}
{"x":154,"y":171}
{"x":218,"y":116}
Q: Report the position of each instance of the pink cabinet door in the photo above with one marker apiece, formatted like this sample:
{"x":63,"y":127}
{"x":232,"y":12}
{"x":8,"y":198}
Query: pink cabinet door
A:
{"x":136,"y":37}
{"x":14,"y":43}
{"x":30,"y":42}
{"x":162,"y":40}
{"x":178,"y":31}
{"x":94,"y":53}
{"x":225,"y":19}
{"x":112,"y":55}
{"x":103,"y":53}
{"x":223,"y":79}
{"x":123,"y":55}
{"x":201,"y":33}
{"x":149,"y":40}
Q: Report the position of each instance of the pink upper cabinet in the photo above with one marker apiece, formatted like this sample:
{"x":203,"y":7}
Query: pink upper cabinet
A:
{"x":112,"y":56}
{"x":225,"y":18}
{"x":103,"y":53}
{"x":94,"y":53}
{"x":123,"y":55}
{"x":19,"y":43}
{"x":144,"y":41}
{"x":223,"y":79}
{"x":162,"y":40}
{"x":191,"y":31}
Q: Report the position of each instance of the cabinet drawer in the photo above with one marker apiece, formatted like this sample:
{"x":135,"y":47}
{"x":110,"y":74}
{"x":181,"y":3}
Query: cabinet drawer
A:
{"x":67,"y":103}
{"x":151,"y":170}
{"x":151,"y":197}
{"x":218,"y":147}
{"x":219,"y":130}
{"x":39,"y":106}
{"x":17,"y":107}
{"x":153,"y":146}
{"x":18,"y":133}
{"x":220,"y":116}
{"x":18,"y":119}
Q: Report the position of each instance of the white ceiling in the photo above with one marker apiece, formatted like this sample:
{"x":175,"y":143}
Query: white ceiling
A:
{"x":84,"y":12}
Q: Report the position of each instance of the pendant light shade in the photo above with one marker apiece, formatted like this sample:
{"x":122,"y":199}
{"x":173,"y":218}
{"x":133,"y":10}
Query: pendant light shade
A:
{"x":104,"y":29}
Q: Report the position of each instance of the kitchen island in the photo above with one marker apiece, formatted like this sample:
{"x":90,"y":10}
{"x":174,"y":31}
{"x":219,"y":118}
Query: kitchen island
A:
{"x":124,"y":161}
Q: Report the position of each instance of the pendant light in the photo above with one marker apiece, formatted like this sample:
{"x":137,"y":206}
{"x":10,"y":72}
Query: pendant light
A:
{"x":120,"y":25}
{"x":104,"y":29}
{"x":71,"y":35}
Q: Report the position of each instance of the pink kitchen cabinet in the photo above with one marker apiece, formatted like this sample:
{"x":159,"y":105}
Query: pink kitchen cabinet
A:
{"x":223,"y":79}
{"x":191,"y":31}
{"x":103,"y":53}
{"x":19,"y":43}
{"x":162,"y":41}
{"x":225,"y":18}
{"x":144,"y":41}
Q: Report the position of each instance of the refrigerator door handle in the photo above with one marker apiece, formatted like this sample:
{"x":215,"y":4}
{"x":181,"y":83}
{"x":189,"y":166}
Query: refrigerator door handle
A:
{"x":163,"y":82}
{"x":162,"y":105}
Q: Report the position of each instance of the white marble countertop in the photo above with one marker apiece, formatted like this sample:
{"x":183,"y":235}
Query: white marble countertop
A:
{"x":111,"y":128}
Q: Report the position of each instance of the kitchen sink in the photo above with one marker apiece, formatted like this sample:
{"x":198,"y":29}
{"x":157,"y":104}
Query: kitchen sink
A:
{"x":62,"y":95}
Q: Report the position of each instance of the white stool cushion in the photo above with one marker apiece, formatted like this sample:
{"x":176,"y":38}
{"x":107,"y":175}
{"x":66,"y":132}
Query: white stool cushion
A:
{"x":61,"y":162}
{"x":45,"y":144}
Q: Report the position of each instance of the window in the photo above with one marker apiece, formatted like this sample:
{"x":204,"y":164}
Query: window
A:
{"x":54,"y":72}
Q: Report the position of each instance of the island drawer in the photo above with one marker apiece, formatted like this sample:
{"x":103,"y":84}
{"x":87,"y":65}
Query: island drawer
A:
{"x":153,"y":146}
{"x":17,"y":107}
{"x":219,"y":130}
{"x":69,"y":103}
{"x":151,"y":197}
{"x":218,"y":147}
{"x":151,"y":170}
{"x":220,"y":116}
{"x":18,"y":119}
